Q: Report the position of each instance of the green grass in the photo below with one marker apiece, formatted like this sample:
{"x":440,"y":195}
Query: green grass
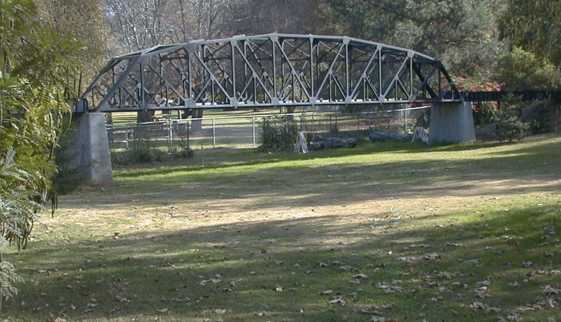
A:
{"x":243,"y":236}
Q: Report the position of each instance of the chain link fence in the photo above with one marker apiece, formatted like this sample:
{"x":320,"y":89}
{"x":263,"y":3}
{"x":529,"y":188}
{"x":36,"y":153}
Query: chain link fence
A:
{"x":243,"y":132}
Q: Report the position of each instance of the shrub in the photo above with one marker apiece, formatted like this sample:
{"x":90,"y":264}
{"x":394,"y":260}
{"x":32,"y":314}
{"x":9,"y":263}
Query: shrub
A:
{"x":541,"y":116}
{"x":139,"y":151}
{"x":509,"y":126}
{"x":20,"y":200}
{"x":485,"y":114}
{"x":143,"y":150}
{"x":279,"y":134}
{"x":182,"y":148}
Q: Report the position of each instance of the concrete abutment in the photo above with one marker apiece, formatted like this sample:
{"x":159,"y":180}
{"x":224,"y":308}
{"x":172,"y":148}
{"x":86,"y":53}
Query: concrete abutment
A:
{"x":452,"y":122}
{"x":86,"y":151}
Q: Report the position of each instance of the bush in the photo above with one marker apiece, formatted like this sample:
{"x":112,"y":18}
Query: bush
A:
{"x":279,"y":134}
{"x":140,"y":149}
{"x":20,"y":201}
{"x":182,"y":149}
{"x":143,"y":150}
{"x":509,"y":126}
{"x":8,"y":279}
{"x":485,"y":114}
{"x":541,"y":116}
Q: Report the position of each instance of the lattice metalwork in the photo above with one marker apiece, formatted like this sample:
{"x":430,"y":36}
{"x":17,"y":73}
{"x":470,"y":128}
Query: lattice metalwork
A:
{"x":268,"y":71}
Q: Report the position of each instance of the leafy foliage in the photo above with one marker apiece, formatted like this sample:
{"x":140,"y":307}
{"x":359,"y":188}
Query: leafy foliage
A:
{"x":141,"y":149}
{"x":21,"y":196}
{"x":279,"y":134}
{"x":462,"y":33}
{"x":17,"y":214}
{"x":33,"y":107}
{"x":36,"y":65}
{"x":533,"y":26}
{"x":540,"y":116}
{"x":485,"y":114}
{"x":521,"y":69}
{"x":509,"y":125}
{"x":8,"y":281}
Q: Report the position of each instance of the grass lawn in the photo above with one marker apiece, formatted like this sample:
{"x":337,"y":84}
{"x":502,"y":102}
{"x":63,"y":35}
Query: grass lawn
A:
{"x":380,"y":232}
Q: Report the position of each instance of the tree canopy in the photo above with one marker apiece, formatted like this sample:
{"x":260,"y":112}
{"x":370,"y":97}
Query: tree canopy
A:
{"x":39,"y":64}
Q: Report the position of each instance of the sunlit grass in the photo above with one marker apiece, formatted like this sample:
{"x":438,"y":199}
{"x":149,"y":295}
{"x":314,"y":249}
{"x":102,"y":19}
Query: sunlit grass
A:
{"x":394,"y":230}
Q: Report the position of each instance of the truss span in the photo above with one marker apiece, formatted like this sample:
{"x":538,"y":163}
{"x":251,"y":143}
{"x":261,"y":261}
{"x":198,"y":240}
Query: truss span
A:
{"x":268,"y":71}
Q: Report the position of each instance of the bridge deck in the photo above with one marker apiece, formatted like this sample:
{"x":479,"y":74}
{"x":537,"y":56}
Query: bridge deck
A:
{"x":498,"y":96}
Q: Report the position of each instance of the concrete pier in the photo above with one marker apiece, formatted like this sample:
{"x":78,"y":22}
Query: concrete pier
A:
{"x":452,"y":123}
{"x":87,"y":150}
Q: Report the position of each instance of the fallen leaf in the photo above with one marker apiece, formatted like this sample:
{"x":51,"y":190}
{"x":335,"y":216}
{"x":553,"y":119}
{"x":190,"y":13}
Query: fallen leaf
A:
{"x":389,"y":288}
{"x":550,"y":290}
{"x":478,"y":306}
{"x":527,"y":264}
{"x":337,"y":300}
{"x":122,"y":299}
{"x":431,"y":256}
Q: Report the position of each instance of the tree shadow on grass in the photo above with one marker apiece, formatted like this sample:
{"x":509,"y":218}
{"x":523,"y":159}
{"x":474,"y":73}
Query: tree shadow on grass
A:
{"x":520,"y":169}
{"x":280,"y":270}
{"x":229,"y":158}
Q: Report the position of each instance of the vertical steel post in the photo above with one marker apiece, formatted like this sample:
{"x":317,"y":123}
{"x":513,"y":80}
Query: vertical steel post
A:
{"x":380,"y":86}
{"x":170,"y":134}
{"x":213,"y":133}
{"x":312,"y":92}
{"x":347,"y":70}
{"x":233,"y":72}
{"x":411,"y":78}
{"x":275,"y":89}
{"x":190,"y":75}
{"x":253,"y":131}
{"x":142,"y":102}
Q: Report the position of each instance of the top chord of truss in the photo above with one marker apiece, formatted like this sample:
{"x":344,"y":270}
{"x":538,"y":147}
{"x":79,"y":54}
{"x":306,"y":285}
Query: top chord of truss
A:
{"x":268,"y":71}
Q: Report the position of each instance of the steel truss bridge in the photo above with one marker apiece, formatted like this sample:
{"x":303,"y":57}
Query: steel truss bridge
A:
{"x":273,"y":70}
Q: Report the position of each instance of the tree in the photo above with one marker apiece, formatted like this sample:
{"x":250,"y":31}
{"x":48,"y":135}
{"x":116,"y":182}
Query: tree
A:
{"x":522,"y":70}
{"x":533,"y":26}
{"x":36,"y":64}
{"x":285,"y":16}
{"x":137,"y":24}
{"x":83,"y":21}
{"x":530,"y":28}
{"x":141,"y":24}
{"x":462,"y":33}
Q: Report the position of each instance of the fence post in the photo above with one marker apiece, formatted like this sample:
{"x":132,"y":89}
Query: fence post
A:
{"x":188,"y":125}
{"x":170,"y":135}
{"x":253,"y":131}
{"x":213,"y":133}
